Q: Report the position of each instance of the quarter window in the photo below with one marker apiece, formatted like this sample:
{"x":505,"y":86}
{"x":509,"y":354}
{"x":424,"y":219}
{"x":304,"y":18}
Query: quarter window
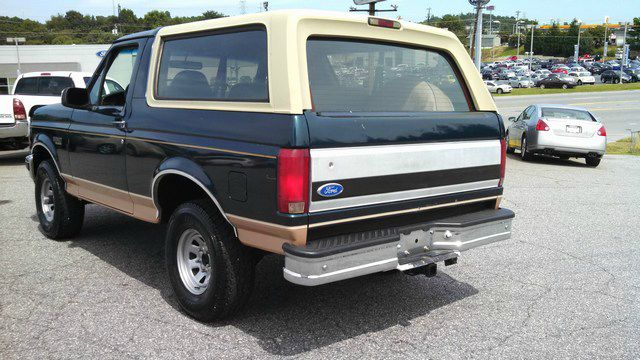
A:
{"x":225,"y":66}
{"x":27,"y":86}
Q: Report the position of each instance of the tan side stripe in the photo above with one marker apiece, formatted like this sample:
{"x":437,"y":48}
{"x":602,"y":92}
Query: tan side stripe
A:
{"x":138,"y":206}
{"x":267,"y":236}
{"x":418,"y":209}
{"x":161,"y":142}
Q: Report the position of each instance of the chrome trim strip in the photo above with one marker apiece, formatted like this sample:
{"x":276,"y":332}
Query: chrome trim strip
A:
{"x":41,"y":144}
{"x":336,"y":164}
{"x":182,"y":173}
{"x":399,"y":195}
{"x":390,"y":213}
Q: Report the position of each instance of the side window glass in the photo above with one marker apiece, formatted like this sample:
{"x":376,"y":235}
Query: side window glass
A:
{"x":118,"y":77}
{"x":223,"y":67}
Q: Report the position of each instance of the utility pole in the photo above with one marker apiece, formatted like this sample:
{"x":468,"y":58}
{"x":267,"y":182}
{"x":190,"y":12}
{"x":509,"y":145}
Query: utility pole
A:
{"x":477,"y":52}
{"x":428,"y":15}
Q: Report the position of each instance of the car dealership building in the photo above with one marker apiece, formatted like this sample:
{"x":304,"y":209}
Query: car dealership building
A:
{"x":29,"y":58}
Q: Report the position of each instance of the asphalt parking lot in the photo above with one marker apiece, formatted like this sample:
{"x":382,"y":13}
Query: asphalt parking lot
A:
{"x":619,"y":111}
{"x":565,"y":286}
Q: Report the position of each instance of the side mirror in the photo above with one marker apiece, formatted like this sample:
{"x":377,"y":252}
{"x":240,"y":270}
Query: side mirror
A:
{"x":512,"y":118}
{"x":76,"y":98}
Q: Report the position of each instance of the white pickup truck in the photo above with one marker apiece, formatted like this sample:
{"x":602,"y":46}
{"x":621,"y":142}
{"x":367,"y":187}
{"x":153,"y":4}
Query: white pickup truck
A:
{"x":31,"y":91}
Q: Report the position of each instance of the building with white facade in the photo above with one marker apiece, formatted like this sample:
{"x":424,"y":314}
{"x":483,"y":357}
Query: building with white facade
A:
{"x":46,"y":58}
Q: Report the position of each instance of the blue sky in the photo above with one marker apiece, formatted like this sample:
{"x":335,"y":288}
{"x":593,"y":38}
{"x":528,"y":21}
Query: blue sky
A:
{"x":589,"y":11}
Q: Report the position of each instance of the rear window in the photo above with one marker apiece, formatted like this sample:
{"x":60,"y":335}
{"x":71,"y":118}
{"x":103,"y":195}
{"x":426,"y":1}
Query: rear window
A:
{"x":27,"y":86}
{"x":560,"y":113}
{"x":53,"y":85}
{"x":346,"y":75}
{"x":226,"y":66}
{"x":43,"y":85}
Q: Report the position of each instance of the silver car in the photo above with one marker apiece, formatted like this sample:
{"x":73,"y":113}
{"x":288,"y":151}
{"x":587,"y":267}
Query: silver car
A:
{"x":559,"y":130}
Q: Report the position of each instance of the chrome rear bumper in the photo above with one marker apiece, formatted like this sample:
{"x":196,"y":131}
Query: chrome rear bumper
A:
{"x":408,"y":248}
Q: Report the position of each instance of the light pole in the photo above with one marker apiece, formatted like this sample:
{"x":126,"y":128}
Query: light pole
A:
{"x":624,"y":55}
{"x":606,"y":42}
{"x":494,"y":22}
{"x":479,"y":4}
{"x":518,"y":36}
{"x":531,"y":51}
{"x":17,"y":40}
{"x":576,"y":55}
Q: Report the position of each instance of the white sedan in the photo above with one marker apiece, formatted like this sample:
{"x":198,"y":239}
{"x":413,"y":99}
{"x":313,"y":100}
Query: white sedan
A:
{"x":521,"y":82}
{"x":583,"y":77}
{"x":498,"y":88}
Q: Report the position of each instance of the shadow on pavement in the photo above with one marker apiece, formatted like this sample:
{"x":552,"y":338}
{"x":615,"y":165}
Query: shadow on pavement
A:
{"x":286,"y":319}
{"x":13,"y":157}
{"x":550,"y":160}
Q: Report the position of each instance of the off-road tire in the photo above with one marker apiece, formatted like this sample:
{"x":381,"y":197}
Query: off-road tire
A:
{"x":68,"y":213}
{"x":232,"y":263}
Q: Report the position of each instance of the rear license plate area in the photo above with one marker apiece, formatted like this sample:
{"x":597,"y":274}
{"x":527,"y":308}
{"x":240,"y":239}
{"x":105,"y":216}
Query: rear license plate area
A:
{"x":572,"y":129}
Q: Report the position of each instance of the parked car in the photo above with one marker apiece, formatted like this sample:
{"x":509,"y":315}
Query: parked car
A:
{"x":506,"y":74}
{"x":559,"y":130}
{"x":613,"y":76}
{"x":555,"y":81}
{"x":521,"y":82}
{"x":583,"y":77}
{"x":560,"y":69}
{"x":30,"y":91}
{"x":489,"y":74}
{"x":498,"y":88}
{"x":634,"y":74}
{"x":544,"y":72}
{"x":240,"y":161}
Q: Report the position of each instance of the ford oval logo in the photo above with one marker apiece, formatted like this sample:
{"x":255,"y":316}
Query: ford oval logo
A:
{"x":330,"y":190}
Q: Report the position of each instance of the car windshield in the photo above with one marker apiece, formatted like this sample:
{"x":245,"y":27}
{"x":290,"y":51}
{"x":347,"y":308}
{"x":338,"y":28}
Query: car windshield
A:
{"x":584,"y":74}
{"x":361,"y":76}
{"x":561,"y":113}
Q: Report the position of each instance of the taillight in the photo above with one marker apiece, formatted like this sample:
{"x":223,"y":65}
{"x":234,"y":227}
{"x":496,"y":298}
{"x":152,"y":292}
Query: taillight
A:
{"x":602,"y":131}
{"x":503,"y":160}
{"x":19,"y":113}
{"x":293,"y":181}
{"x":542,"y":126}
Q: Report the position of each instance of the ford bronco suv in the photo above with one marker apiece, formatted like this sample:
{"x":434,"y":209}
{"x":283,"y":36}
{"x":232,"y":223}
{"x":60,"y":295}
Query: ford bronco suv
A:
{"x":347,"y":144}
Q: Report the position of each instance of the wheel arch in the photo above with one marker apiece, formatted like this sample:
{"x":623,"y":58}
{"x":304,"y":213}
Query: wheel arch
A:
{"x":43,"y":149}
{"x":194,"y":182}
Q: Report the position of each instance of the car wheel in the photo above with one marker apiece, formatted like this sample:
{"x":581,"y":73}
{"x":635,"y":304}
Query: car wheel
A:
{"x":499,"y":91}
{"x":210,"y":271}
{"x":617,"y":81}
{"x":60,"y":214}
{"x":592,"y":161}
{"x":542,"y":86}
{"x":524,"y":154}
{"x":564,"y":86}
{"x":604,"y":81}
{"x":579,"y":82}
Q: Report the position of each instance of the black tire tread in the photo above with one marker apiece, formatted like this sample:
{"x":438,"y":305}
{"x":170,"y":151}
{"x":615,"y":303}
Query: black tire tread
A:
{"x":237,"y":281}
{"x":69,"y":210}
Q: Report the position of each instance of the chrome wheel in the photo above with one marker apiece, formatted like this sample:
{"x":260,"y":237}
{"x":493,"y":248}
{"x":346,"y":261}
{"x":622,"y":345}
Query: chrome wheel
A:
{"x":47,"y":200}
{"x":523,"y":148}
{"x":194,"y":261}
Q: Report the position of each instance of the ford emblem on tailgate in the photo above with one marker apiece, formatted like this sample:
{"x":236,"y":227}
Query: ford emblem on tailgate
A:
{"x":330,"y":190}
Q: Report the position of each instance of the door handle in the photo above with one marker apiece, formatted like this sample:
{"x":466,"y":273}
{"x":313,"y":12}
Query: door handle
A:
{"x":120,"y":124}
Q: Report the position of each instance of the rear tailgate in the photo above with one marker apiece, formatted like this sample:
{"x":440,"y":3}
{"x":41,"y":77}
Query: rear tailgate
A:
{"x":371,"y":159}
{"x":6,"y":110}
